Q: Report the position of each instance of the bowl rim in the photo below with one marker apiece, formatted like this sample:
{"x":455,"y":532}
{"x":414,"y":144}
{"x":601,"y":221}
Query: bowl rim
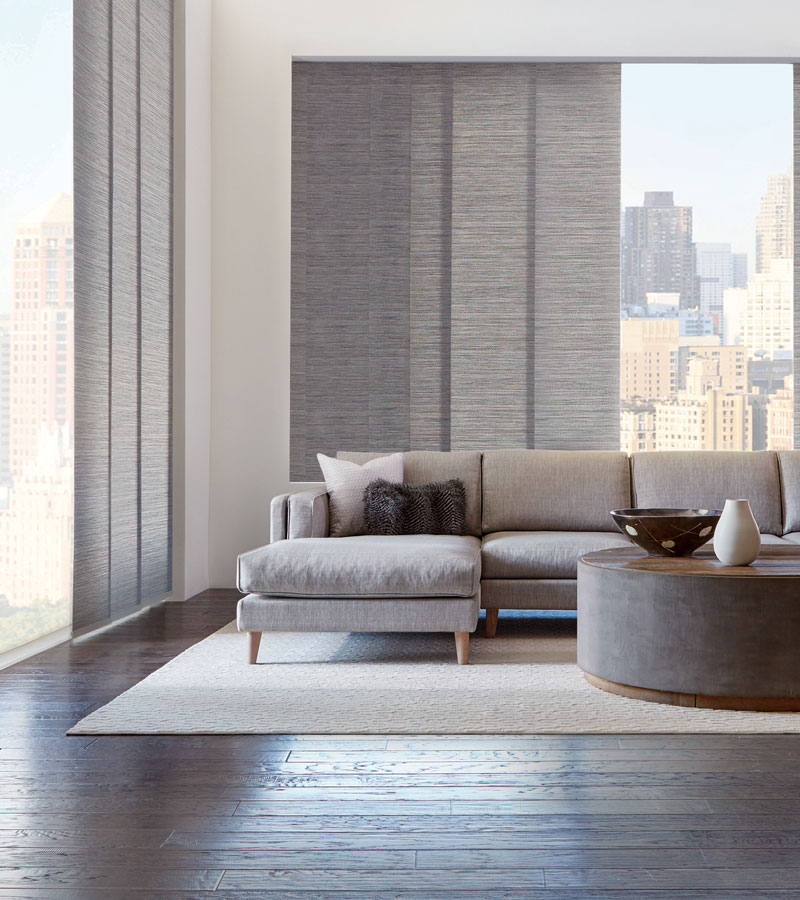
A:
{"x":658,"y":512}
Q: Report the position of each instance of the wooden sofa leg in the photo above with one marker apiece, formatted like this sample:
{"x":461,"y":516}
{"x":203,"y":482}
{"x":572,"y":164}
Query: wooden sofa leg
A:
{"x":253,"y":640}
{"x":462,"y":647}
{"x":491,"y":622}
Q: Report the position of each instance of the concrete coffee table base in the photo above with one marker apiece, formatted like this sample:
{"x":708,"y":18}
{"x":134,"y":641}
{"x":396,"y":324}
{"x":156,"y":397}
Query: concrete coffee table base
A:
{"x":690,"y":631}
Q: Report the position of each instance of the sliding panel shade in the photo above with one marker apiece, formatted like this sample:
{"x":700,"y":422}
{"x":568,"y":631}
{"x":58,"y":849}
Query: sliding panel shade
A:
{"x":492,"y":287}
{"x":431,"y":191}
{"x":155,"y":255}
{"x":796,"y":213}
{"x":455,"y":257}
{"x":92,"y":174}
{"x":123,"y":307}
{"x":576,"y":333}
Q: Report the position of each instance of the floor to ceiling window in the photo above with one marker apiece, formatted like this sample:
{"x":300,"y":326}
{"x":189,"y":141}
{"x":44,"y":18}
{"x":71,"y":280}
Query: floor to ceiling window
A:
{"x":36,"y":323}
{"x":707,"y":247}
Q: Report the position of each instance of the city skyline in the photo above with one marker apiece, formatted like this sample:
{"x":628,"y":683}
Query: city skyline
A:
{"x":708,"y":132}
{"x":706,"y":344}
{"x":36,"y":377}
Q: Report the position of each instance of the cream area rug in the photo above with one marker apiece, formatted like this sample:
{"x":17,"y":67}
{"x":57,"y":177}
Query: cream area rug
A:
{"x":525,"y":681}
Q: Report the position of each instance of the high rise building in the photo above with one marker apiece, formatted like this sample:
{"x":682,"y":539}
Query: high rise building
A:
{"x":39,"y":515}
{"x":695,"y":324}
{"x":657,"y":251}
{"x":739,"y":270}
{"x":734,"y":302}
{"x":41,"y":329}
{"x":774,"y":222}
{"x":714,"y":263}
{"x":637,"y":427}
{"x":38,"y":506}
{"x":714,"y":420}
{"x":767,"y":325}
{"x":5,"y":372}
{"x":780,"y":417}
{"x":727,"y":364}
{"x":649,"y":358}
{"x":766,"y":376}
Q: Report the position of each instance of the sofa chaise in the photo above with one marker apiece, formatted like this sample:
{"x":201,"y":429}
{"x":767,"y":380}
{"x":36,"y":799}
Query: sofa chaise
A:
{"x":531,"y":515}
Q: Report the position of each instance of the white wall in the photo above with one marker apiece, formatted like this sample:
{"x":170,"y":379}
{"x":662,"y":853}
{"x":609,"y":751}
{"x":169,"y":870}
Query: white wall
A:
{"x":253,"y":44}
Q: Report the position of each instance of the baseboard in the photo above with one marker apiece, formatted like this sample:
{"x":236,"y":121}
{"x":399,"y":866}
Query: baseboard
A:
{"x":45,"y":642}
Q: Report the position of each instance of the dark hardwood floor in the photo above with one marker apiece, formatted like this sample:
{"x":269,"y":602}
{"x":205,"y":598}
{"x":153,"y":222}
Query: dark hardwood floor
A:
{"x":172,"y":818}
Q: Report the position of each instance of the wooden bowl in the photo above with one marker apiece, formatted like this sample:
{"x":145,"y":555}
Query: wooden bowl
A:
{"x":668,"y":532}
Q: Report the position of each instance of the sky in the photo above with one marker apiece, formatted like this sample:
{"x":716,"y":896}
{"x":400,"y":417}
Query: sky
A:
{"x":35,"y":112}
{"x":711,"y":133}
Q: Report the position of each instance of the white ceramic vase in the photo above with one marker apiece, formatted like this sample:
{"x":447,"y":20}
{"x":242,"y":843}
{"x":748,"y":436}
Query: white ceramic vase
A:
{"x":737,"y":540}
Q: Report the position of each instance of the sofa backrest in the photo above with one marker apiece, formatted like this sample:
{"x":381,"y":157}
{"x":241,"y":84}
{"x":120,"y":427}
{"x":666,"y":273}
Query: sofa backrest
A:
{"x":707,"y":478}
{"x":553,"y":490}
{"x":789,"y":464}
{"x":425,"y":466}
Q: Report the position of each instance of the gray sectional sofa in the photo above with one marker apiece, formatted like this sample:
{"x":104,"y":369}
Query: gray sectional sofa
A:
{"x":531,"y":514}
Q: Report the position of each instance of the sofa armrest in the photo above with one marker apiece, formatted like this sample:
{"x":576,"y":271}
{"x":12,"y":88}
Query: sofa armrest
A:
{"x":308,"y":514}
{"x":279,"y":518}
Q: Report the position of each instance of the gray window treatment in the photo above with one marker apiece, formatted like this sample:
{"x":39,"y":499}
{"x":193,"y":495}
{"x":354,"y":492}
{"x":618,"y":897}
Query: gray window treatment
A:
{"x":796,"y":236}
{"x":455,"y":257}
{"x":123,"y":307}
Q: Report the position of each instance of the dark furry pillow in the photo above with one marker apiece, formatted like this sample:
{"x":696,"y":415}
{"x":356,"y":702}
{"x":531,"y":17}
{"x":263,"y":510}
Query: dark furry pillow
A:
{"x":439,"y":508}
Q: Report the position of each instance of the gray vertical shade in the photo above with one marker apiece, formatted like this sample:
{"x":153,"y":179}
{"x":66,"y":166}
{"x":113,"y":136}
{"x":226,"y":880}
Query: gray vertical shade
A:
{"x":576,"y":332}
{"x":123,"y":307}
{"x":455,"y":257}
{"x":492,"y":291}
{"x":796,"y":214}
{"x":431,"y":193}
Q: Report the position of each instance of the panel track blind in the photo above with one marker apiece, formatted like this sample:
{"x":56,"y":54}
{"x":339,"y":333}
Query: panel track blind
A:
{"x":455,"y":257}
{"x":123,"y":307}
{"x":796,"y":237}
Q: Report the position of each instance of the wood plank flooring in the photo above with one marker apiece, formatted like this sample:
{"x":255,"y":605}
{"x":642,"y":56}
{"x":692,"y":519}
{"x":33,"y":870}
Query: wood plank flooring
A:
{"x":294,"y":817}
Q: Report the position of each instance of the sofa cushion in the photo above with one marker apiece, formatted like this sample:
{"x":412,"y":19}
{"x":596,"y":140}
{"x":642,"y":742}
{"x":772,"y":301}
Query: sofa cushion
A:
{"x":768,"y":539}
{"x":792,"y":537}
{"x":707,"y":478}
{"x":364,"y":566}
{"x":423,"y":466}
{"x":437,"y":508}
{"x":542,"y":554}
{"x":345,"y":482}
{"x":789,"y":462}
{"x":553,"y":490}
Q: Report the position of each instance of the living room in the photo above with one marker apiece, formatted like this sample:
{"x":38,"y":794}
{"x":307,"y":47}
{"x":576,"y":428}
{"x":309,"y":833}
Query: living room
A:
{"x":398,"y":493}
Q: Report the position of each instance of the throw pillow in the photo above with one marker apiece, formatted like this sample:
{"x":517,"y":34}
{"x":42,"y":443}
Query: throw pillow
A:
{"x":438,"y":508}
{"x":345,"y":482}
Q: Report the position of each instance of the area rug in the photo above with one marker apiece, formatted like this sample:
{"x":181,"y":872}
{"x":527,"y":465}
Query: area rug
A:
{"x":525,"y":681}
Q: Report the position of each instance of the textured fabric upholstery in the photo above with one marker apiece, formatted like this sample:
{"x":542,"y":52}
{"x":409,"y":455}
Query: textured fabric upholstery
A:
{"x":261,"y":613}
{"x":278,"y":518}
{"x":425,"y":466}
{"x":437,"y":508}
{"x":789,"y":462}
{"x":707,"y":478}
{"x":792,"y":537}
{"x":542,"y":554}
{"x":364,"y":566}
{"x":308,"y":513}
{"x":531,"y":593}
{"x":553,"y":490}
{"x":346,"y":481}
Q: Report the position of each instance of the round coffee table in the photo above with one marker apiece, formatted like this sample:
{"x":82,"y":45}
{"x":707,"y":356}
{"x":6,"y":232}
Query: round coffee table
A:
{"x":690,"y":631}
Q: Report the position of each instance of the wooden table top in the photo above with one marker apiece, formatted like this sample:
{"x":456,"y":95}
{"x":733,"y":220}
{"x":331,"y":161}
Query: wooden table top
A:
{"x":774,"y":560}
